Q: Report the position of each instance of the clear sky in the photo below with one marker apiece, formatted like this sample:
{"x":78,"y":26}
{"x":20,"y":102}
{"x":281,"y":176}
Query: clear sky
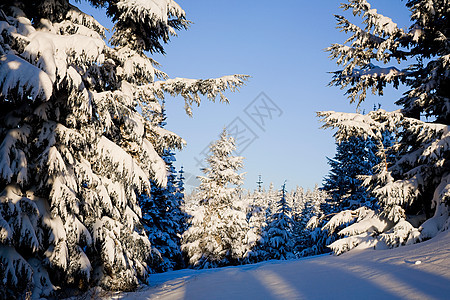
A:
{"x":281,"y":45}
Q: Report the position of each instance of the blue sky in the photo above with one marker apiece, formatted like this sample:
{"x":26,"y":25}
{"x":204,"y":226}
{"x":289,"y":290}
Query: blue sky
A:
{"x":279,"y":44}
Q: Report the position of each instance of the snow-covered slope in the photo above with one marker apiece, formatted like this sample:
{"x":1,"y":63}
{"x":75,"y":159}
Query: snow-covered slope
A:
{"x":420,"y":271}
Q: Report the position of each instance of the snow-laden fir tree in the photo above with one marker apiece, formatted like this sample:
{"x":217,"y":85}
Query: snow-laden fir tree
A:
{"x":74,"y":147}
{"x":354,"y":157}
{"x":278,"y":240}
{"x":416,"y":185}
{"x":298,"y":199}
{"x":163,"y":216}
{"x":310,"y":239}
{"x":218,"y":228}
{"x":191,"y":201}
{"x":180,"y":185}
{"x":257,"y":221}
{"x":259,"y":183}
{"x":164,"y":219}
{"x":271,"y":198}
{"x":179,"y":195}
{"x":298,"y":206}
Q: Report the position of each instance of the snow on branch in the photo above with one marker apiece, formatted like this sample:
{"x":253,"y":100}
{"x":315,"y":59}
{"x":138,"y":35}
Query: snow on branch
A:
{"x":22,"y":218}
{"x":366,"y":224}
{"x":164,"y":139}
{"x":350,"y":124}
{"x":76,"y":16}
{"x":375,"y":123}
{"x":190,"y":89}
{"x":13,"y":160}
{"x":397,"y":194}
{"x":153,"y":10}
{"x":402,"y":233}
{"x":11,"y":263}
{"x":370,"y":223}
{"x":126,"y":166}
{"x":157,"y":165}
{"x":313,"y":223}
{"x":346,"y":217}
{"x":53,"y":53}
{"x":380,"y":40}
{"x":20,"y":78}
{"x":369,"y":77}
{"x":134,"y":66}
{"x":387,"y":74}
{"x":380,"y":24}
{"x":348,"y":243}
{"x":141,"y":24}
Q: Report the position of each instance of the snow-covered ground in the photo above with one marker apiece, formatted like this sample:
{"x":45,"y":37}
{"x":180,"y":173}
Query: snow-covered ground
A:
{"x":420,"y":271}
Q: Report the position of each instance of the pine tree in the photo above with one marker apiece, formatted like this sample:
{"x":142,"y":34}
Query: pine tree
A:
{"x":259,"y":183}
{"x":180,"y":185}
{"x":271,"y":198}
{"x":217,"y":232}
{"x":162,"y":212}
{"x":298,"y":201}
{"x":256,"y":217}
{"x":354,"y":157}
{"x":179,"y":197}
{"x":191,"y":201}
{"x":415,"y":183}
{"x":279,"y":237}
{"x":312,"y":239}
{"x":77,"y":140}
{"x":164,"y":218}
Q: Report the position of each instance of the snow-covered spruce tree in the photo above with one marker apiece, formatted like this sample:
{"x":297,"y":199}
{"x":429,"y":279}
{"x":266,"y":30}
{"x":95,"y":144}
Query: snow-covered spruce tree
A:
{"x":218,"y":228}
{"x":180,"y":185}
{"x":191,"y":201}
{"x":179,"y":196}
{"x":163,"y":217}
{"x":354,"y":157}
{"x":74,"y":148}
{"x":164,"y":220}
{"x":298,"y":217}
{"x":279,"y":241}
{"x":416,"y":185}
{"x":271,"y":198}
{"x":298,"y":200}
{"x":256,"y":217}
{"x":268,"y":205}
{"x":310,"y":239}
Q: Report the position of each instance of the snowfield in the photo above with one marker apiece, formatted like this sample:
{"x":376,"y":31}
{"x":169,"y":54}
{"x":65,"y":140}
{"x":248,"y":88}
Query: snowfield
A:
{"x":420,"y":271}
